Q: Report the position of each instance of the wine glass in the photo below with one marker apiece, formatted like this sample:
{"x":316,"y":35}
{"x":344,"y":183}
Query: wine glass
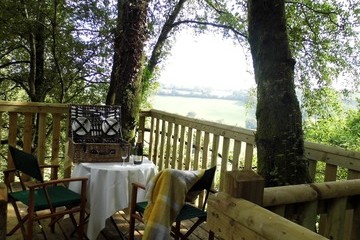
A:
{"x":124,"y":153}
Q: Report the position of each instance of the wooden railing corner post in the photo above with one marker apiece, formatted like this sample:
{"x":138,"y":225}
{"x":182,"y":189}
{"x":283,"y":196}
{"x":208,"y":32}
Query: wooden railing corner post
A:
{"x":245,"y":184}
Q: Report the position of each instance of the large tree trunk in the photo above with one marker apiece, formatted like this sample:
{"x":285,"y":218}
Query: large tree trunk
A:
{"x":125,"y":85}
{"x":279,"y":137}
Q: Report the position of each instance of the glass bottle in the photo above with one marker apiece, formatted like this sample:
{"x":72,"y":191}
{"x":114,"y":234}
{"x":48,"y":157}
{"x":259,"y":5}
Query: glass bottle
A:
{"x":139,"y":149}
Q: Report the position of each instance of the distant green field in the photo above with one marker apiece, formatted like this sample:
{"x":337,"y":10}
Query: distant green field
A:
{"x":228,"y":112}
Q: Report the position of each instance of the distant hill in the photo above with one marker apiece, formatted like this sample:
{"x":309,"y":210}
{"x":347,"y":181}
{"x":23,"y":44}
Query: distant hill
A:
{"x":198,"y":92}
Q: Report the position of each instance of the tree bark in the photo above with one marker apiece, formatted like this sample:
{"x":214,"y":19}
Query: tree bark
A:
{"x":125,"y":84}
{"x":279,"y":137}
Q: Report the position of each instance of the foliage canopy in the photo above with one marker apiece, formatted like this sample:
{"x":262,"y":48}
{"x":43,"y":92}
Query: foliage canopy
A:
{"x":78,"y":41}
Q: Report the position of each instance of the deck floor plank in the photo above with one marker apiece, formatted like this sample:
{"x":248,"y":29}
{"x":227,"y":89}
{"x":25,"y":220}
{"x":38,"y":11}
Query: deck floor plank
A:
{"x":108,"y":233}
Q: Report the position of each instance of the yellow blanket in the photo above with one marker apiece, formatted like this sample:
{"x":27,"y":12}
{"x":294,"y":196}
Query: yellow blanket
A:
{"x":166,"y":195}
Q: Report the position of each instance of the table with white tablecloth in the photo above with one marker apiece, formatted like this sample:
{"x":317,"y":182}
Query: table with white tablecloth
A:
{"x":109,"y":188}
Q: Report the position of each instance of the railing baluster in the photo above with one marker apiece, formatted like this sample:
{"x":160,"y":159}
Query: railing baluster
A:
{"x":55,"y":146}
{"x":355,"y":231}
{"x":249,"y":152}
{"x":168,"y":136}
{"x":41,"y":138}
{"x":197,"y":148}
{"x":312,"y":169}
{"x":13,"y":116}
{"x":236,"y":155}
{"x":188,"y":148}
{"x":330,"y":172}
{"x":175,"y":142}
{"x":334,"y":229}
{"x":214,"y":153}
{"x":353,"y":174}
{"x":156,"y":144}
{"x":162,"y":144}
{"x":28,"y":131}
{"x":224,"y":160}
{"x":151,"y":139}
{"x":205,"y":155}
{"x":181,"y":147}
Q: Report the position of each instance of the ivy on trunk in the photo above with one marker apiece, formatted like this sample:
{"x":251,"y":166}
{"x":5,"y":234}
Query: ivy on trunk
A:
{"x":125,"y":84}
{"x":279,"y":137}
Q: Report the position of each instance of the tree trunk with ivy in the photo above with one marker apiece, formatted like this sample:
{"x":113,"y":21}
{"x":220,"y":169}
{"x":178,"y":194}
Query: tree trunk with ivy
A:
{"x":279,"y":137}
{"x":125,"y":83}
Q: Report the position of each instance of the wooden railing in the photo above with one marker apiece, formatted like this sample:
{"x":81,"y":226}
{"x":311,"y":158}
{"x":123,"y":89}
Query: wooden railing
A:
{"x":185,"y":143}
{"x":330,"y":209}
{"x":232,"y":218}
{"x":173,"y":141}
{"x":36,"y":127}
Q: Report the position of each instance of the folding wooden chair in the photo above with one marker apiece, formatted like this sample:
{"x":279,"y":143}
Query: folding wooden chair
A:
{"x":188,"y":211}
{"x":52,"y":195}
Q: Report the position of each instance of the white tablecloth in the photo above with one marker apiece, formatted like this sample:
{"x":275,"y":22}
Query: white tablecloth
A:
{"x":109,"y":188}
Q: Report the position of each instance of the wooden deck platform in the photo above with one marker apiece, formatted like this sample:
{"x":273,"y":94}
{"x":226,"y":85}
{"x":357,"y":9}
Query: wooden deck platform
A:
{"x":109,"y":233}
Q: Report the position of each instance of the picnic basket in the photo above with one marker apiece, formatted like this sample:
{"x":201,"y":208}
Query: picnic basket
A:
{"x":95,"y":133}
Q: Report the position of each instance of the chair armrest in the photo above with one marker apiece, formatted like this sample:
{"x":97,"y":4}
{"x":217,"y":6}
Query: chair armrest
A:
{"x":58,"y":181}
{"x":7,"y":171}
{"x":49,"y":166}
{"x":138,"y":185}
{"x":213,"y":191}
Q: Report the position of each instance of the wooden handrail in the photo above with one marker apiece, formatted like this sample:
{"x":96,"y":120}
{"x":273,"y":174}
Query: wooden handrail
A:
{"x":232,"y":218}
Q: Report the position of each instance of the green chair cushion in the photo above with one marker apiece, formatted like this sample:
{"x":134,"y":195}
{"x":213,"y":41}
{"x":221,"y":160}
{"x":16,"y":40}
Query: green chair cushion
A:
{"x":59,"y":195}
{"x":140,"y":207}
{"x":187,"y":212}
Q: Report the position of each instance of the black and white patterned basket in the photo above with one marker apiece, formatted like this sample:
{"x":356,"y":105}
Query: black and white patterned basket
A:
{"x":95,"y":133}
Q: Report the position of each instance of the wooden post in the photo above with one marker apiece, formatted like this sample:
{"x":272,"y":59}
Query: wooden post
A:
{"x":245,"y":184}
{"x":3,"y":210}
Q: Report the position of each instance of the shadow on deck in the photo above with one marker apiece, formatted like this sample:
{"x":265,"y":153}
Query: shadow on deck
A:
{"x":109,"y":233}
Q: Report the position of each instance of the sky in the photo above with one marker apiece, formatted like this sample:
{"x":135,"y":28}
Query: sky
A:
{"x":206,"y":61}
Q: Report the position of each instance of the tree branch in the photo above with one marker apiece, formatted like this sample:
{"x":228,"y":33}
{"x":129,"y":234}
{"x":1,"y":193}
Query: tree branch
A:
{"x":12,"y":63}
{"x":215,"y":8}
{"x":213,"y":25}
{"x":311,"y":8}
